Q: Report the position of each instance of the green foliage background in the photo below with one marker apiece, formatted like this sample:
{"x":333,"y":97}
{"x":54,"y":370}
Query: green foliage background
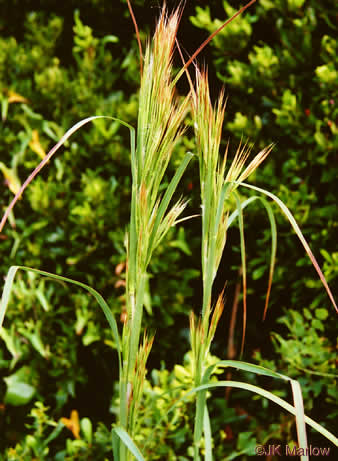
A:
{"x":278,"y":63}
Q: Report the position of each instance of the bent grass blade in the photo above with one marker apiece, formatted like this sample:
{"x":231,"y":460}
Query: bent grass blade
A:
{"x":273,"y":228}
{"x":299,"y":407}
{"x":268,"y":395}
{"x":104,"y":306}
{"x":297,"y":410}
{"x":207,"y":435}
{"x":242,"y":243}
{"x":244,"y":366}
{"x":299,"y":233}
{"x":128,"y":442}
{"x":256,"y":390}
{"x":166,"y":200}
{"x":57,"y":146}
{"x":257,"y":369}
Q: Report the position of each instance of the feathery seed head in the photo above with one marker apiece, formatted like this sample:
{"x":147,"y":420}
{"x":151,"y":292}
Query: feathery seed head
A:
{"x":238,"y":162}
{"x":218,"y":310}
{"x":259,"y":158}
{"x":160,"y":116}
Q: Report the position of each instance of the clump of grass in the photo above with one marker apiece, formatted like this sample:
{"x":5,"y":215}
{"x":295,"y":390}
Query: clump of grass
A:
{"x":159,"y":127}
{"x":216,"y":191}
{"x":216,"y":186}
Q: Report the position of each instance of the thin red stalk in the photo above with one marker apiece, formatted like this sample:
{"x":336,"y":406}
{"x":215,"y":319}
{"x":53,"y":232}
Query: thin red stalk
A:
{"x":204,"y":44}
{"x":186,"y":69}
{"x":296,"y":228}
{"x":244,"y":312}
{"x":267,"y":295}
{"x":137,"y":35}
{"x":231,"y":343}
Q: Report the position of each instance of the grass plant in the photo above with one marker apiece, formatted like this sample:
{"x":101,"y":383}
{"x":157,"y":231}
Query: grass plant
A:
{"x":159,"y":128}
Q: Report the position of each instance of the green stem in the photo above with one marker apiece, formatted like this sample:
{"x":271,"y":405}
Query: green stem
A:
{"x":123,"y":414}
{"x":135,"y":324}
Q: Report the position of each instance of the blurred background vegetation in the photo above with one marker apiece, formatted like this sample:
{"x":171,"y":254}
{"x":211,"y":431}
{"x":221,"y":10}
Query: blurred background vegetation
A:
{"x":64,"y":61}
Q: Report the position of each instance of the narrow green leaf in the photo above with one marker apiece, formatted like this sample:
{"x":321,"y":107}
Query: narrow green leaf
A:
{"x":254,"y":389}
{"x":136,"y":324}
{"x":207,"y":435}
{"x":242,"y":241}
{"x":115,"y":445}
{"x":126,"y":439}
{"x":199,"y":421}
{"x":234,"y":214}
{"x":6,"y":292}
{"x":265,"y":394}
{"x":297,"y":393}
{"x":245,"y":366}
{"x":209,"y":269}
{"x":300,"y":419}
{"x":296,"y":228}
{"x":64,"y":138}
{"x":166,"y":199}
{"x":220,"y":207}
{"x":104,"y":306}
{"x":273,"y":228}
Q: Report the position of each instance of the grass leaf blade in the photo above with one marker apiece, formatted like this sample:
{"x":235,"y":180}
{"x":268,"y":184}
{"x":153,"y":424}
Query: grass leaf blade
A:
{"x":266,"y":394}
{"x":129,"y":443}
{"x":273,"y":228}
{"x":167,"y":197}
{"x":207,"y":435}
{"x":244,"y":366}
{"x":57,"y":146}
{"x":299,"y":233}
{"x":115,"y":445}
{"x":300,"y":419}
{"x":242,"y":242}
{"x":104,"y":306}
{"x":234,"y":214}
